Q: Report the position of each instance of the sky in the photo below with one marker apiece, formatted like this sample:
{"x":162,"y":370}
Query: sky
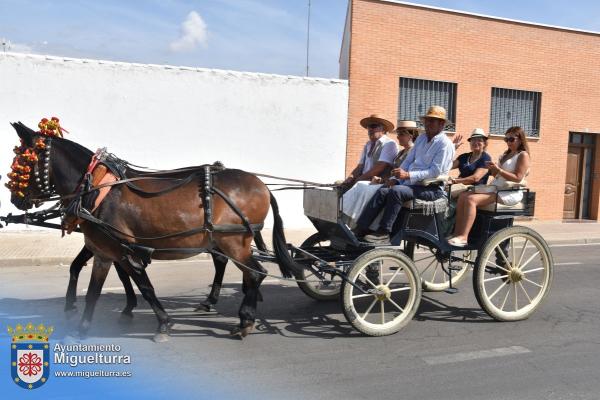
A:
{"x":246,"y":35}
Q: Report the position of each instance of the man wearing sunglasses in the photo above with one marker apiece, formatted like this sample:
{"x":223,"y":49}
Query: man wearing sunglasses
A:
{"x":430,"y":157}
{"x":378,"y":153}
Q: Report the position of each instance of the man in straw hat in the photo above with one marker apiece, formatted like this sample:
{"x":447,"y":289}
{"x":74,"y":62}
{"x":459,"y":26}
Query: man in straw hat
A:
{"x":430,"y":157}
{"x":378,"y":153}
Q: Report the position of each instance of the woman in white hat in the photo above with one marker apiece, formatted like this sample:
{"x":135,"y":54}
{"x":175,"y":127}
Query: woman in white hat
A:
{"x":472,"y":166}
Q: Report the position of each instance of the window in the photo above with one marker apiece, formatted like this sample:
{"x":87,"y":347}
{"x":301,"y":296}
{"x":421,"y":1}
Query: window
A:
{"x":417,"y":95}
{"x":512,"y":107}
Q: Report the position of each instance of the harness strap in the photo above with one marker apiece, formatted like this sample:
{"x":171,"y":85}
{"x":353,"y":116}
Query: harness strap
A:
{"x":235,"y":208}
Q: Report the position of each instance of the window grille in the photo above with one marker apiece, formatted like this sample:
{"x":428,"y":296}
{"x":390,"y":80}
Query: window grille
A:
{"x":417,"y":95}
{"x":512,"y":107}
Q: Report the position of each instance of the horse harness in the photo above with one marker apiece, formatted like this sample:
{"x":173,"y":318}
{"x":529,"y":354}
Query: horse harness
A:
{"x":106,"y":170}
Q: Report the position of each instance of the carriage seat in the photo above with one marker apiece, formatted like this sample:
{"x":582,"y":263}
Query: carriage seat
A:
{"x":497,"y":206}
{"x":429,"y":207}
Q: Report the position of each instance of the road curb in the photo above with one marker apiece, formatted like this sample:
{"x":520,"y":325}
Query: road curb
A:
{"x":64,"y":261}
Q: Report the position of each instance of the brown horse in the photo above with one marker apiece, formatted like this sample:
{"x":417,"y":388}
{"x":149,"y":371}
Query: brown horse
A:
{"x":170,"y":223}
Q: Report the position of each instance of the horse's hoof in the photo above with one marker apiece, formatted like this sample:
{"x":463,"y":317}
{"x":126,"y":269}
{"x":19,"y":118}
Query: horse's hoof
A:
{"x":70,"y":311}
{"x":240,"y":333}
{"x":205,"y":308}
{"x":160,"y":337}
{"x":125,"y":318}
{"x":127,"y":313}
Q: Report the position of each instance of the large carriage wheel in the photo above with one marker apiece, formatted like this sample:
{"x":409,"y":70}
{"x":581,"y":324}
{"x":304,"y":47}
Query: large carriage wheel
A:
{"x":328,"y":290}
{"x":431,"y":262}
{"x":394,"y":292}
{"x":513,"y":273}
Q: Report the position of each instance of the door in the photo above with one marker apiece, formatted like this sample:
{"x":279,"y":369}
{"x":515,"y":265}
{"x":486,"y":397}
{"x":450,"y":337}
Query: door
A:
{"x":573,"y":182}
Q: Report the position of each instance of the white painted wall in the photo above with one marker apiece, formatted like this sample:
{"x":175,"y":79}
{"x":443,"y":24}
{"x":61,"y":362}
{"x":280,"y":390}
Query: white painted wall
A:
{"x":166,"y":117}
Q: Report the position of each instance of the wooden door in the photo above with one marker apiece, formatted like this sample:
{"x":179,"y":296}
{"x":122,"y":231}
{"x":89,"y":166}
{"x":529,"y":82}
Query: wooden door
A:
{"x":573,"y":182}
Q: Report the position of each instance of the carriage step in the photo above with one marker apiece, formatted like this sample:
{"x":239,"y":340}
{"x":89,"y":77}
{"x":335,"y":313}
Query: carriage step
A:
{"x":451,"y":290}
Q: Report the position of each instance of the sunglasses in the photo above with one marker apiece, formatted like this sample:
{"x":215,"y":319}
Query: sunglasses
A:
{"x":510,"y":139}
{"x":373,"y":126}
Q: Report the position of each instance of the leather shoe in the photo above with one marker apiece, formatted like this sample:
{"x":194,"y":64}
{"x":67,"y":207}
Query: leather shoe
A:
{"x":377,"y":237}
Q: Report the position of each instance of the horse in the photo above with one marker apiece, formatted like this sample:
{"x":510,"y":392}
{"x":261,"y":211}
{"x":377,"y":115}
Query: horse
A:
{"x":157,"y":214}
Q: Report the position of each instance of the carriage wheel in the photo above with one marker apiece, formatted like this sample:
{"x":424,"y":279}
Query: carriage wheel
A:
{"x":394,"y":292}
{"x":513,"y":273}
{"x":431,"y":262}
{"x":328,"y":290}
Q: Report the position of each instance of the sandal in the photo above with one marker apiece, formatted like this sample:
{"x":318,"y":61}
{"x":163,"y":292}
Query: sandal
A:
{"x":456,"y":242}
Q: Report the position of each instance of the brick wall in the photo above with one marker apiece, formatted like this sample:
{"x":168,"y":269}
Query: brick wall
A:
{"x":392,"y":40}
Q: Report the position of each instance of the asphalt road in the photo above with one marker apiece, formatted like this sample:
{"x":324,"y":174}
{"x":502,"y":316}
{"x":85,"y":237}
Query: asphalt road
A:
{"x":305,"y":349}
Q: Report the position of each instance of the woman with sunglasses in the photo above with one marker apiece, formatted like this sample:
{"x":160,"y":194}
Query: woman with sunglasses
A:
{"x":512,"y":167}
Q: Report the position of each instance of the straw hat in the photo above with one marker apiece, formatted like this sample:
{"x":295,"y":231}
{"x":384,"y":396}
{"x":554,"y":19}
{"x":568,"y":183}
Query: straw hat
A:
{"x":478,"y":133}
{"x":410,"y":125}
{"x":438,"y":112}
{"x":376,"y":119}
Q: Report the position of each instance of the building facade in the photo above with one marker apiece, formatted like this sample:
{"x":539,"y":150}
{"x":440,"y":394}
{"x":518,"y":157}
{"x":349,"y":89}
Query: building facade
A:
{"x":491,"y":73}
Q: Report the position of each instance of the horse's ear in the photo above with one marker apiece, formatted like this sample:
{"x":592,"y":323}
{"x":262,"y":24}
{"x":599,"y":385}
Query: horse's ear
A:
{"x":25,"y":133}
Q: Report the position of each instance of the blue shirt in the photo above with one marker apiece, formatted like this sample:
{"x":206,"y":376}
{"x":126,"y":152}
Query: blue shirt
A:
{"x":467,"y":169}
{"x":429,"y":159}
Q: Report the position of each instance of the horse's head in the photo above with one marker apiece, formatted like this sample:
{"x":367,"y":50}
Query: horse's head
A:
{"x":30,"y":170}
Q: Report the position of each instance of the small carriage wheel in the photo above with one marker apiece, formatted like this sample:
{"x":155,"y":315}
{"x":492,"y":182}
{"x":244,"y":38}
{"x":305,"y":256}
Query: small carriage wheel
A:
{"x":389,"y":298}
{"x":513,"y":274}
{"x":314,"y":288}
{"x":431,"y":262}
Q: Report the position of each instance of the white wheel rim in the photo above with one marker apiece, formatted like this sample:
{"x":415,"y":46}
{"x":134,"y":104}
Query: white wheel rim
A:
{"x":394,"y":297}
{"x":431,"y":272}
{"x":519,"y":283}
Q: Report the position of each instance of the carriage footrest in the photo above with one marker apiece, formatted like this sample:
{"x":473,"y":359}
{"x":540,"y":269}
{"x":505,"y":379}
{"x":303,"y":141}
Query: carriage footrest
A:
{"x":451,"y":290}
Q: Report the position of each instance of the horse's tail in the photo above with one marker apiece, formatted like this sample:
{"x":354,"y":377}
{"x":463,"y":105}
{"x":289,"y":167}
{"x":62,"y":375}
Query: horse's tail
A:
{"x":259,"y":241}
{"x":287,"y":265}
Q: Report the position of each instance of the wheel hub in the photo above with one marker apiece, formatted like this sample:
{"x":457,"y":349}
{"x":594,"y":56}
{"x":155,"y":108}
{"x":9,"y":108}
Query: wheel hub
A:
{"x":515,"y":275}
{"x":382,"y":292}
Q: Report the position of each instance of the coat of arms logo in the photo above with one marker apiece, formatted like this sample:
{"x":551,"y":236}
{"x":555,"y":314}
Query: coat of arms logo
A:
{"x":30,"y":355}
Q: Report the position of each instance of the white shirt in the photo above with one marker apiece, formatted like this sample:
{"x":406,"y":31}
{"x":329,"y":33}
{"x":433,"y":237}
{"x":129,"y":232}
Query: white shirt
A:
{"x":429,"y":158}
{"x":388,"y":153}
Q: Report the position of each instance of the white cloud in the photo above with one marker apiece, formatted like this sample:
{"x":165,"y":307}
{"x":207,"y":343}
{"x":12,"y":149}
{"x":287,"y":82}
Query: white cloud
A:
{"x":193,"y":33}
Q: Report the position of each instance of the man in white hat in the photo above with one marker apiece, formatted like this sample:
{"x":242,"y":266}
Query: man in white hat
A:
{"x":378,"y":153}
{"x":430,"y":157}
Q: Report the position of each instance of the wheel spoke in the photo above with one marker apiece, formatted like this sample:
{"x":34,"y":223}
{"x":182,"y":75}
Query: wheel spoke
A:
{"x":504,"y":301}
{"x":529,"y":260}
{"x":497,"y":266}
{"x":402,"y":289}
{"x":497,"y":290}
{"x":434,"y":272}
{"x":516,"y":297}
{"x":369,"y":309}
{"x":396,"y":305}
{"x":525,"y":291}
{"x":358,"y":296}
{"x":368,"y":280}
{"x":425,"y":258}
{"x":382,"y":312}
{"x":522,"y":253}
{"x":501,"y":252}
{"x":393,"y":276}
{"x":533,"y":270}
{"x":430,"y":264}
{"x":532,"y":282}
{"x":495,"y":278}
{"x":512,"y":249}
{"x":381,"y":271}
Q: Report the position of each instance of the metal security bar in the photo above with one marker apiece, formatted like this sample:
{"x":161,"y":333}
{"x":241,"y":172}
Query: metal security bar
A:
{"x":511,"y":107}
{"x":417,"y":95}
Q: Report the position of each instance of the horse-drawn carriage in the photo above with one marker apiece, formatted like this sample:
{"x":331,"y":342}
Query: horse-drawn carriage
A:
{"x":137,"y":216}
{"x":380,"y":285}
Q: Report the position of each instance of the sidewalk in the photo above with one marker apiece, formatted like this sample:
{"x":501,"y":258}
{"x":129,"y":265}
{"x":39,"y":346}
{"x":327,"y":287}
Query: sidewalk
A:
{"x":29,"y":248}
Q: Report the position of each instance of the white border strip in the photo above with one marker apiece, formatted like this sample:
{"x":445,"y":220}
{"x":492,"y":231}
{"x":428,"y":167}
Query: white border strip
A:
{"x":475,"y":355}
